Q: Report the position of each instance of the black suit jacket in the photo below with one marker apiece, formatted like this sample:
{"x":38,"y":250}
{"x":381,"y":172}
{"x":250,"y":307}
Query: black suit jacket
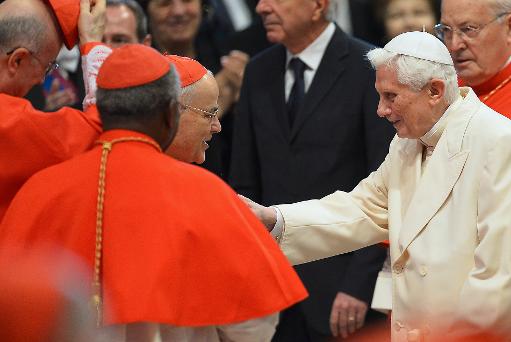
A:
{"x":336,"y":140}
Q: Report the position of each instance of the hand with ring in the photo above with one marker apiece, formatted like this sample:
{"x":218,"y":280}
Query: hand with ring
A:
{"x":347,"y":315}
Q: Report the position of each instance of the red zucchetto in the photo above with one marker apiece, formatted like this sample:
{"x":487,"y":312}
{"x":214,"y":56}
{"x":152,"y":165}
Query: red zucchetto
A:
{"x":132,"y":65}
{"x":189,"y":70}
{"x":67,"y":13}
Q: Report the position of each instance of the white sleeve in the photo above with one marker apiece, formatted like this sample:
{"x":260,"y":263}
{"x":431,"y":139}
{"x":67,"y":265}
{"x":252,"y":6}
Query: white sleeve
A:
{"x":338,"y":223}
{"x":91,"y":62}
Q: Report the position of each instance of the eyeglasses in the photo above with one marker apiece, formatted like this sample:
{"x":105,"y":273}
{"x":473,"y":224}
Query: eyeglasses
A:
{"x":53,"y":65}
{"x":467,"y":32}
{"x":206,"y":114}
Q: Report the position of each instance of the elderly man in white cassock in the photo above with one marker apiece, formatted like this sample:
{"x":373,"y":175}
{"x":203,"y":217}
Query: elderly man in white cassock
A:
{"x":442,"y":198}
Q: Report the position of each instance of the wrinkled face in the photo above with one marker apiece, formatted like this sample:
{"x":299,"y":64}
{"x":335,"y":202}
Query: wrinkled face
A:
{"x":476,"y":59}
{"x":21,"y":65}
{"x":121,"y":27}
{"x":286,"y":20}
{"x":195,"y":127}
{"x":174,"y":21}
{"x":408,"y":15}
{"x":407,"y":110}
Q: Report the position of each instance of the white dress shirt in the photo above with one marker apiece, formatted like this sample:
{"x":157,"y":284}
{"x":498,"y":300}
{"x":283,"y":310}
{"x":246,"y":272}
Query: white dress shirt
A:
{"x":311,"y":56}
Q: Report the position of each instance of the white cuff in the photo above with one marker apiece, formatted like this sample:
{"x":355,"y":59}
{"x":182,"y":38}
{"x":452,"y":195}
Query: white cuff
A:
{"x":278,"y":228}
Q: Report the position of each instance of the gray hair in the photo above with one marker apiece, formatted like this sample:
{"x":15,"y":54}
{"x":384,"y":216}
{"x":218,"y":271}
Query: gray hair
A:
{"x":331,"y":10}
{"x":500,"y":6}
{"x":138,"y":12}
{"x":188,"y":91}
{"x":138,"y":104}
{"x":416,"y":72}
{"x":20,"y":31}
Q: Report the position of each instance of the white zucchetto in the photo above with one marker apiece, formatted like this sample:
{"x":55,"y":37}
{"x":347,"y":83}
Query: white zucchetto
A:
{"x":420,"y":45}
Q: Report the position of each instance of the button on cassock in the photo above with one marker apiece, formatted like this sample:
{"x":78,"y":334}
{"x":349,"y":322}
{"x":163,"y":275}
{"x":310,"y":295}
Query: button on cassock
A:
{"x":398,"y":268}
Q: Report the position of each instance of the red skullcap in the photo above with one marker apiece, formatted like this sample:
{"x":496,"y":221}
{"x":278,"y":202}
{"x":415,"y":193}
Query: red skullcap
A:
{"x":67,"y":13}
{"x":190,"y":71}
{"x":132,"y":65}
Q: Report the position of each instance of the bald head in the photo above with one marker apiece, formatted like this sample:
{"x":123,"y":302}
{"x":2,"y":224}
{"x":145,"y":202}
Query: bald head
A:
{"x":22,"y":20}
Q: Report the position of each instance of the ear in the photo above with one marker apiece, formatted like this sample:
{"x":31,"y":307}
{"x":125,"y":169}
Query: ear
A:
{"x":147,"y":40}
{"x":173,"y":118}
{"x":507,"y":21}
{"x":320,"y":9}
{"x":15,"y":58}
{"x":170,"y":125}
{"x":436,"y":90}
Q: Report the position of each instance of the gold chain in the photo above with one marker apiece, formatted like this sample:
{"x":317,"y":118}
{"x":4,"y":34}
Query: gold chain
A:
{"x":96,"y":300}
{"x":497,"y":88}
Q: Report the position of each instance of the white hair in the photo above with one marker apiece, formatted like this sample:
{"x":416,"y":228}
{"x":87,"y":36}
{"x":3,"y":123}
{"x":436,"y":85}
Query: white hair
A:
{"x":416,"y":72}
{"x":188,"y":91}
{"x":500,"y":6}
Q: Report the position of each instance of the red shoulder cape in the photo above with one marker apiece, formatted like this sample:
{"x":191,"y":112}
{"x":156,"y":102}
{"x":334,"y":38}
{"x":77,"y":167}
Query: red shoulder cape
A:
{"x":179,"y":247}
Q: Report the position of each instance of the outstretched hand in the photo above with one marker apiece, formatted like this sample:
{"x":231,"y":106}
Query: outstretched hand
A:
{"x":266,"y":215}
{"x":91,"y":23}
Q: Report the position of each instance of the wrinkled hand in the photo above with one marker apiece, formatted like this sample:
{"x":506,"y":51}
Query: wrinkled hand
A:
{"x":58,"y":98}
{"x":234,"y":67}
{"x":91,"y":23}
{"x":348,"y":315}
{"x":266,"y":215}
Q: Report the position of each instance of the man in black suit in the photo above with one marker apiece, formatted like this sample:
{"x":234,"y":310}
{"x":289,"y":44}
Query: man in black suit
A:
{"x":307,"y":126}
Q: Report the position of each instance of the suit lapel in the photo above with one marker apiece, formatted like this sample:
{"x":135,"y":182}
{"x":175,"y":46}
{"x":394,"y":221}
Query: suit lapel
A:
{"x":442,"y":173}
{"x":329,"y":70}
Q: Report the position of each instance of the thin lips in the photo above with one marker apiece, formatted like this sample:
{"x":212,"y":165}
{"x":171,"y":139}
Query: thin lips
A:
{"x":269,"y":22}
{"x":461,"y":59}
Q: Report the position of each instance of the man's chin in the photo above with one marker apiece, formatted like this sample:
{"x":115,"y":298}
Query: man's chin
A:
{"x":471,"y":79}
{"x":200,"y":159}
{"x":273,"y":37}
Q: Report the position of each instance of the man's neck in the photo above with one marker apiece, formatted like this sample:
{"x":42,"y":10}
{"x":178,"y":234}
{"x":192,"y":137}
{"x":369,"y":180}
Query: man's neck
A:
{"x":298,"y":45}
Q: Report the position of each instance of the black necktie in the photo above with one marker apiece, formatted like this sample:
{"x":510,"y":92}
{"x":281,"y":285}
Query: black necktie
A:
{"x":295,"y":100}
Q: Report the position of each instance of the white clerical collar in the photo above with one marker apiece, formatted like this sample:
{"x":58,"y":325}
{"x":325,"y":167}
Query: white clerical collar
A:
{"x":430,"y":139}
{"x":313,"y":54}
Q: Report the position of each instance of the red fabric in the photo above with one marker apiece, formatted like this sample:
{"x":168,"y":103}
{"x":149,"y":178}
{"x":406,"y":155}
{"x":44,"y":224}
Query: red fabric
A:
{"x":67,"y":13}
{"x":31,"y":140}
{"x":132,"y":65}
{"x":29,"y":302}
{"x":189,"y":70}
{"x":500,"y":101}
{"x":36,"y":299}
{"x":179,"y":247}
